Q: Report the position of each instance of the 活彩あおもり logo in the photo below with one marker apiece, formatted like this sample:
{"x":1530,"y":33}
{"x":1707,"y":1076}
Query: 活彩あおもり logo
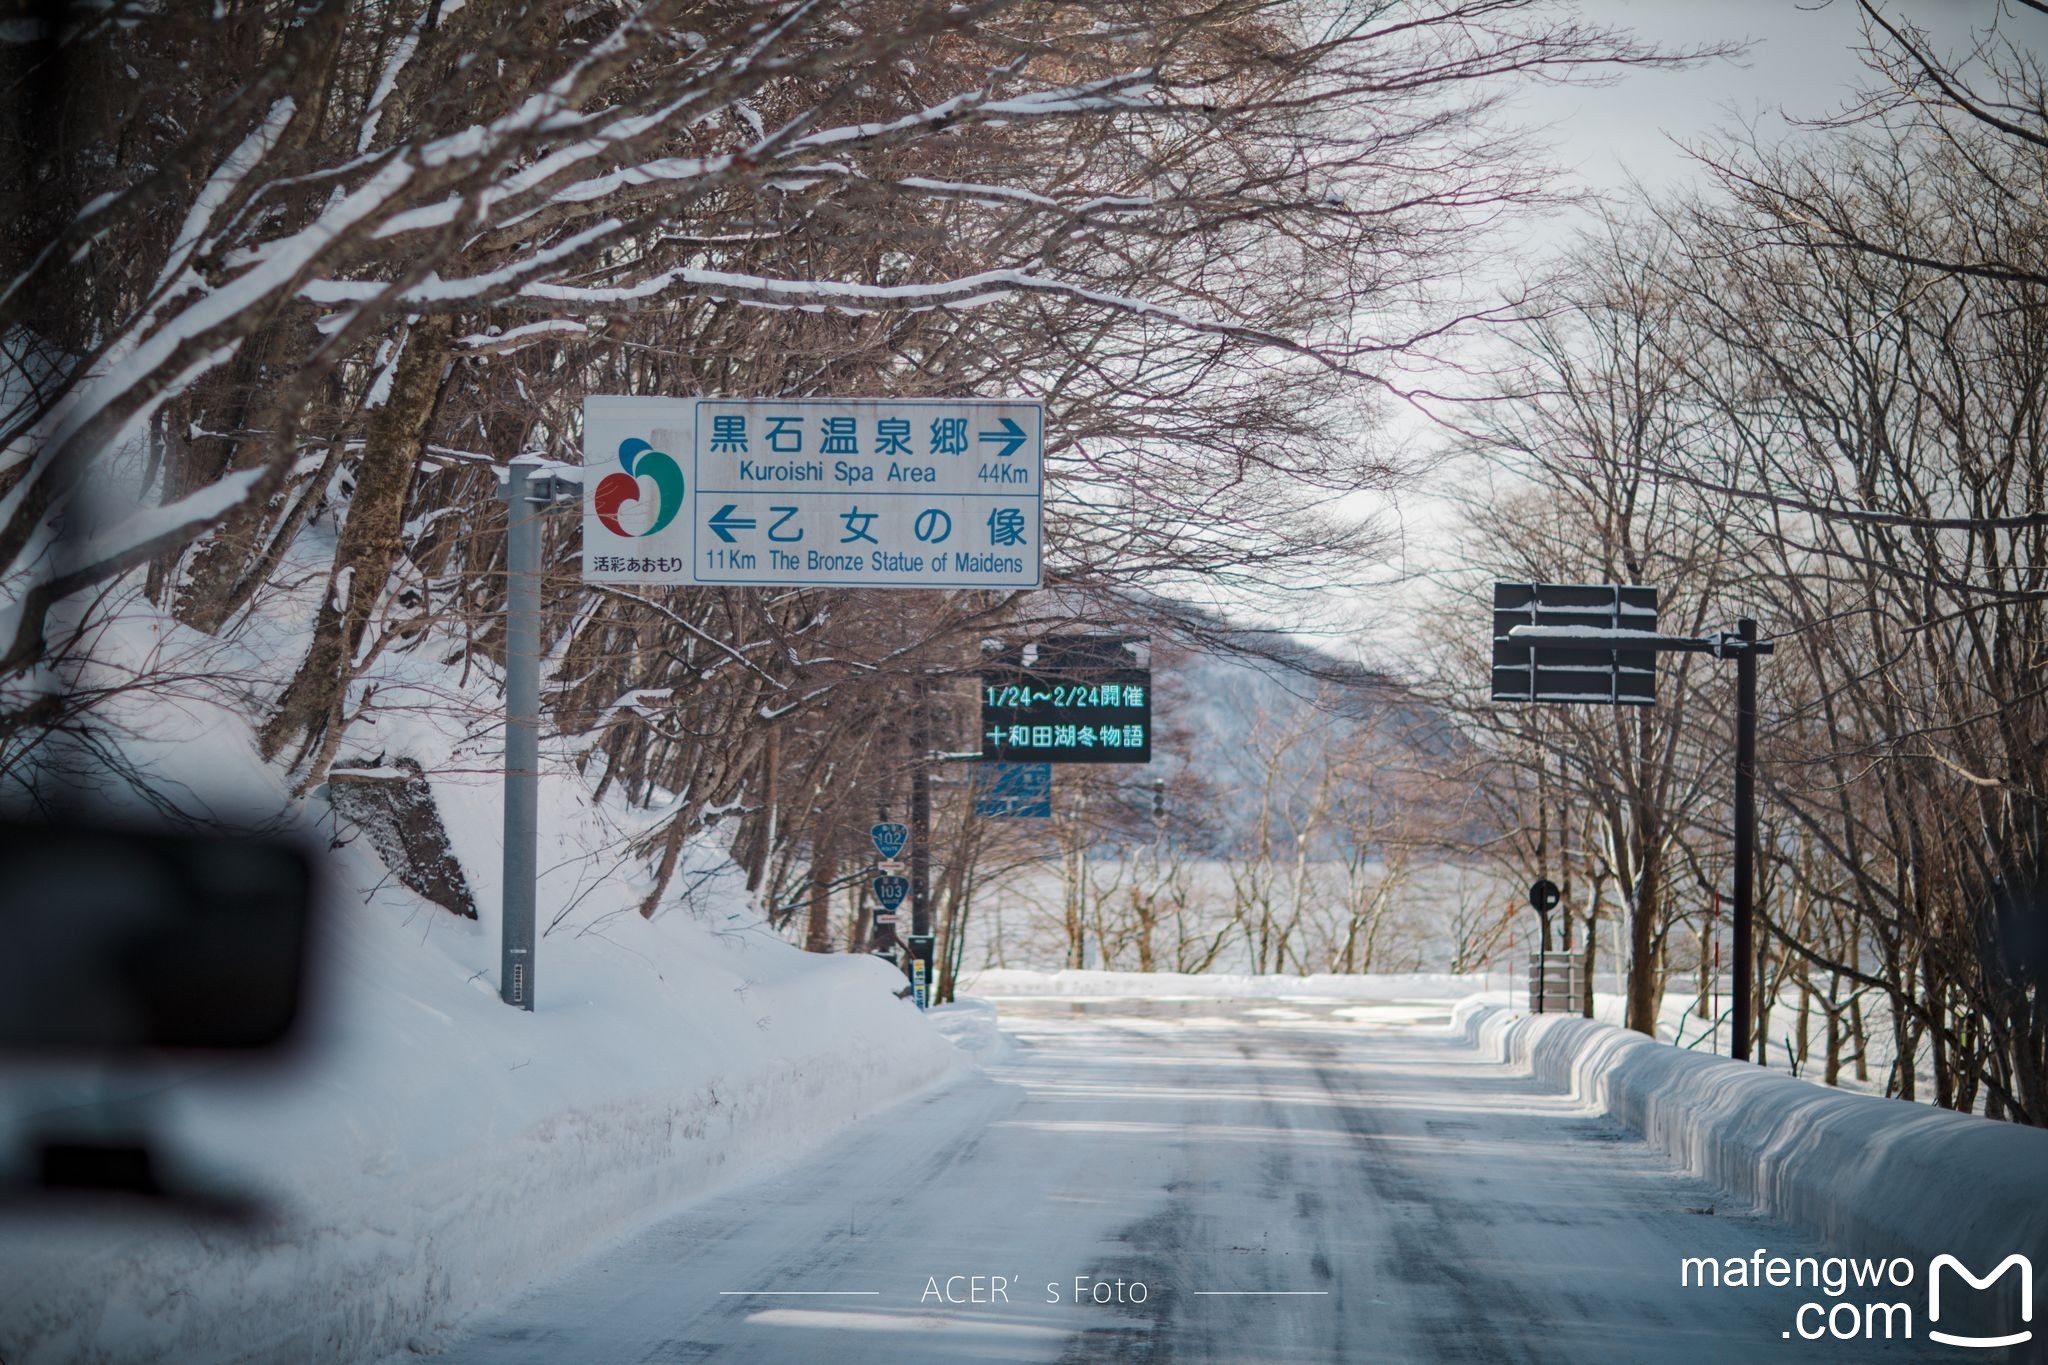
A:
{"x":648,"y":473}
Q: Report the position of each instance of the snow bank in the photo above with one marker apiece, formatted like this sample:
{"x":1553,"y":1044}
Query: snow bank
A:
{"x":999,"y":982}
{"x":429,"y":1150}
{"x":974,"y":1028}
{"x":435,"y":1149}
{"x":1869,"y":1176}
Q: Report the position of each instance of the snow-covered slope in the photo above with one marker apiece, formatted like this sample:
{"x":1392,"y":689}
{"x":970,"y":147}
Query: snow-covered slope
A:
{"x":428,"y":1149}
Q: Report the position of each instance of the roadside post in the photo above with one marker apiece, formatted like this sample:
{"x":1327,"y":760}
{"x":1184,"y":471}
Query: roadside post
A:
{"x":921,"y":969}
{"x":920,"y":840}
{"x":1543,"y":898}
{"x":530,"y":486}
{"x":889,"y":886}
{"x":1598,"y":642}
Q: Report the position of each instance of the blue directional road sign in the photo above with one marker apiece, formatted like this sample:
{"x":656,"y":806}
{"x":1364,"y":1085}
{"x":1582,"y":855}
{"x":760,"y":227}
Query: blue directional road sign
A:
{"x":889,"y":838}
{"x":842,"y":492}
{"x":1013,"y":790}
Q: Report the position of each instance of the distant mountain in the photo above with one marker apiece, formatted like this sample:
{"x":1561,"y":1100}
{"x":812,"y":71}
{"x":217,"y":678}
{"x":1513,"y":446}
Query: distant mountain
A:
{"x":1243,"y":718}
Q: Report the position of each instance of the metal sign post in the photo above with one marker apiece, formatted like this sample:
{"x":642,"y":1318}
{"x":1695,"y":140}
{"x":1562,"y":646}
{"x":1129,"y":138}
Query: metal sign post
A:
{"x":921,"y":835}
{"x":527,"y":490}
{"x":1745,"y":826}
{"x":1588,"y":649}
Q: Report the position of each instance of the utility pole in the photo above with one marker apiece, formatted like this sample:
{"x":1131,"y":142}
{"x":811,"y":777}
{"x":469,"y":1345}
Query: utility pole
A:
{"x":527,"y":491}
{"x":1744,"y":647}
{"x":522,"y":736}
{"x":1745,"y":830}
{"x":921,"y":938}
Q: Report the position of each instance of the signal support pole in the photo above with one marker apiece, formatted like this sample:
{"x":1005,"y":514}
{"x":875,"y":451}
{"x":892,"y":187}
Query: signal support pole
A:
{"x":1745,"y":831}
{"x":920,"y":813}
{"x":921,"y":938}
{"x":527,"y":491}
{"x":1743,"y":646}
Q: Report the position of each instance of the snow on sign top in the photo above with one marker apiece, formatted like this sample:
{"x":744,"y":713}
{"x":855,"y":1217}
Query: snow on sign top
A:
{"x":1527,"y":670}
{"x":833,"y":492}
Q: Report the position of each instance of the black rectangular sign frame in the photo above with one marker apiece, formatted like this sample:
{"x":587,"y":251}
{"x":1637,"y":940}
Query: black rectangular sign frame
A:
{"x":1524,"y":672}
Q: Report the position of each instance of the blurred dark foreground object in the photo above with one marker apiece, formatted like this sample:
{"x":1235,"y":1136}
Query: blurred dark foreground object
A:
{"x":122,"y":939}
{"x":121,"y":946}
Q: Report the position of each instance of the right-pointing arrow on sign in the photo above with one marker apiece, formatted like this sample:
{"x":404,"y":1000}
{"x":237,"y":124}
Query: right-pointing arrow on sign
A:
{"x":724,"y":523}
{"x":1012,"y":438}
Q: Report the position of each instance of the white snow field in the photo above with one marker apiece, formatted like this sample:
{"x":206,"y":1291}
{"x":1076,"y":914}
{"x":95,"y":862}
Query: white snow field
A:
{"x":429,"y":1150}
{"x":438,"y":1149}
{"x":1288,"y":1179}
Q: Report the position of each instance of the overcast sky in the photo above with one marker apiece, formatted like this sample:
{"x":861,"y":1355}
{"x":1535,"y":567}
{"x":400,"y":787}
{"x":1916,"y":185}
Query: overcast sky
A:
{"x":1802,"y":60}
{"x":1801,"y":63}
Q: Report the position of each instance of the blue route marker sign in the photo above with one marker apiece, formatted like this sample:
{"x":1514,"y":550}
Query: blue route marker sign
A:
{"x":889,"y":838}
{"x":891,"y":890}
{"x":1013,"y":790}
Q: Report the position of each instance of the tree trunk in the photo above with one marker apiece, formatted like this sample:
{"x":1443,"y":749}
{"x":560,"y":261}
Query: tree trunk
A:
{"x":1762,"y":992}
{"x":206,"y":597}
{"x":1642,"y":931}
{"x":671,"y":846}
{"x":1833,"y":1073}
{"x":370,"y":542}
{"x":818,"y":930}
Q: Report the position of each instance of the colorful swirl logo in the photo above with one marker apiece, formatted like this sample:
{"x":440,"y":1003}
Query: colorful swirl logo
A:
{"x":643,"y":465}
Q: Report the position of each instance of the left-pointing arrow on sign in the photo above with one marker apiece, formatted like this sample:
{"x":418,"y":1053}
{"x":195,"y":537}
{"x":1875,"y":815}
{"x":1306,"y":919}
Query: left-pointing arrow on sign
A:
{"x":1011,"y":437}
{"x":724,"y":523}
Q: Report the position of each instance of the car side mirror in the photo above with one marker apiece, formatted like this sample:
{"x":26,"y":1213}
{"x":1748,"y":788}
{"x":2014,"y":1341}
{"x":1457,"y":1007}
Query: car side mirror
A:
{"x":118,"y":940}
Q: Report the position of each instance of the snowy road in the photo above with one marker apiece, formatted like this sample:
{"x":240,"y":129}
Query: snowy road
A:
{"x":1288,"y":1181}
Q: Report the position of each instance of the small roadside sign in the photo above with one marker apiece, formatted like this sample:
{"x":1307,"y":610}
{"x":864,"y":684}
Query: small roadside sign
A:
{"x":921,"y":946}
{"x":1013,"y":790}
{"x":891,"y":890}
{"x":889,"y":838}
{"x":1543,"y":896}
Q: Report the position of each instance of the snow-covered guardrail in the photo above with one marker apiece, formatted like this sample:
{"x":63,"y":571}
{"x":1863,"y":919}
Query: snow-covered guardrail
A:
{"x":1867,"y":1176}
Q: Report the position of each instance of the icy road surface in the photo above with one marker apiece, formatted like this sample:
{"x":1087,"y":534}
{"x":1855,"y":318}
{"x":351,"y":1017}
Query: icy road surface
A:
{"x":1288,"y":1181}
